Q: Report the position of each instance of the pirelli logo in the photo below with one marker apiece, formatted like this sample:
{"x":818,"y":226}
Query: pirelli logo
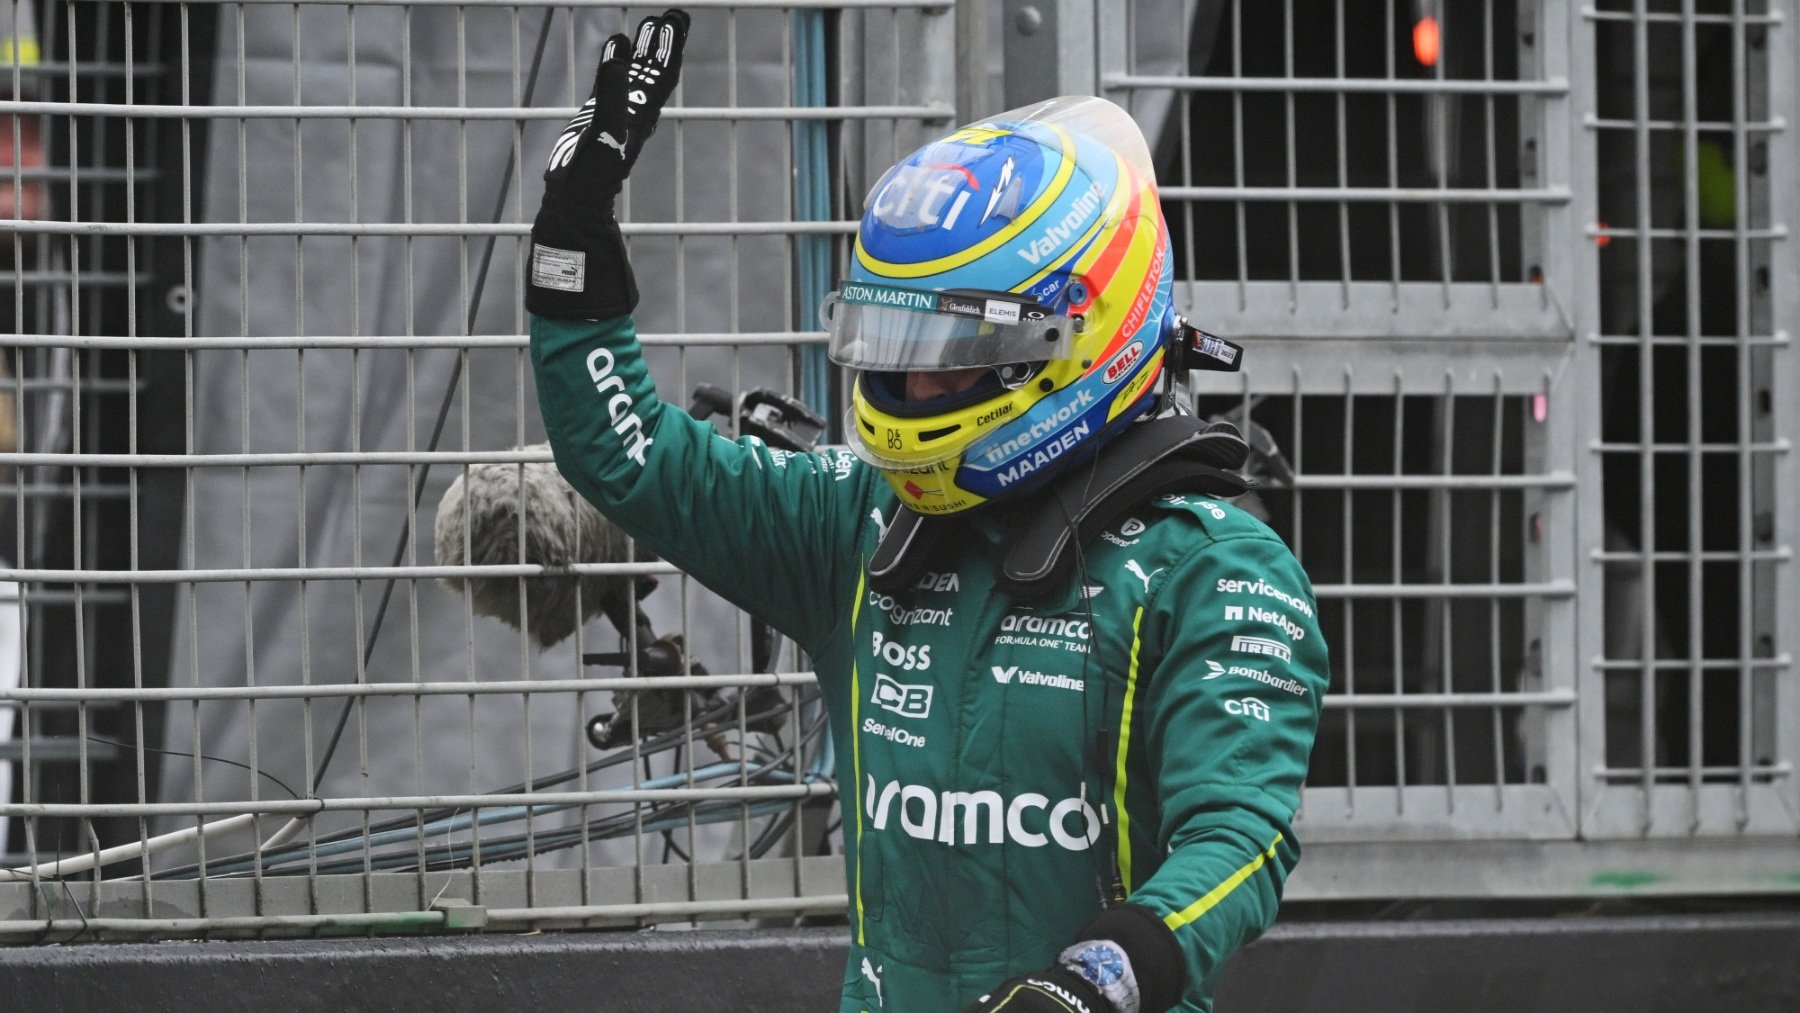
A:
{"x":1263,"y":646}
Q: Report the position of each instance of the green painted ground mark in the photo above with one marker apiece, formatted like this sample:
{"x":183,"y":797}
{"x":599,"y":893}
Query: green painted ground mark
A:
{"x":1626,"y":880}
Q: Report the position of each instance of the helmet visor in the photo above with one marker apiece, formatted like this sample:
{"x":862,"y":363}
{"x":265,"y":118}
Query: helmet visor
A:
{"x":886,"y":328}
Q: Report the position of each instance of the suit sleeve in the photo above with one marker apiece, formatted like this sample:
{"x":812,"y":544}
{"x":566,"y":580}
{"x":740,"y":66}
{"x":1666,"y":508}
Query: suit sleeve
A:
{"x":1231,"y":724}
{"x":776,"y":533}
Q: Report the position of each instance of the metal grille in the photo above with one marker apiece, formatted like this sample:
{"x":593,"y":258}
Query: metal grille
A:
{"x":1505,"y":268}
{"x":276,"y":713}
{"x":1694,"y":676}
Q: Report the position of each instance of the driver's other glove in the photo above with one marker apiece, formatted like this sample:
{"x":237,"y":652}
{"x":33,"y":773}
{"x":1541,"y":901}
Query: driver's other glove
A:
{"x":579,"y":270}
{"x":1125,"y":961}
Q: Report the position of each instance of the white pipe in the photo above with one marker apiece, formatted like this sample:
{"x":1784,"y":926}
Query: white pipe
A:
{"x":123,"y":852}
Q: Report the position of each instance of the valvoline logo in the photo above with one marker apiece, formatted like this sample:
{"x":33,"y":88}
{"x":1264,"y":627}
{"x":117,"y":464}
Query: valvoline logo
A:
{"x":952,"y":194}
{"x":1123,"y":362}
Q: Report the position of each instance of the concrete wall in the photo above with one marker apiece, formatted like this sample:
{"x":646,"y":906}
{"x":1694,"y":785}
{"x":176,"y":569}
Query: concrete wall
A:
{"x":1691,"y":964}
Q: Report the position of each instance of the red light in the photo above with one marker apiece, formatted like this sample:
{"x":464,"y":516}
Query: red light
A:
{"x":1425,"y":41}
{"x":1601,"y":239}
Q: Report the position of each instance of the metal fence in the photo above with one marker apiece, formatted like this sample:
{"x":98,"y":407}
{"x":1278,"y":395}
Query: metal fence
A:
{"x":1506,"y":271}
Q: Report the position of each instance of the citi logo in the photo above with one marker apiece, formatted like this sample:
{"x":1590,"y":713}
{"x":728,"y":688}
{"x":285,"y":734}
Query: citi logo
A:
{"x":1005,"y":676}
{"x":1123,"y":362}
{"x":1249,"y":707}
{"x":981,"y":817}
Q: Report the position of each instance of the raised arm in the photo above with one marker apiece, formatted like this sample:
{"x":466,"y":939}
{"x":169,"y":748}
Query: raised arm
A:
{"x":776,"y":533}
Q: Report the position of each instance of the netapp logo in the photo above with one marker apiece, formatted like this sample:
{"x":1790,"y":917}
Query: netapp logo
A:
{"x":1242,"y":613}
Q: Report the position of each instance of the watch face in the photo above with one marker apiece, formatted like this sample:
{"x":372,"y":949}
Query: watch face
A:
{"x":1101,"y":963}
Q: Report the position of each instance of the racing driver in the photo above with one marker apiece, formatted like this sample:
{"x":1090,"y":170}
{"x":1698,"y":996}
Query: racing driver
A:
{"x":1072,"y":688}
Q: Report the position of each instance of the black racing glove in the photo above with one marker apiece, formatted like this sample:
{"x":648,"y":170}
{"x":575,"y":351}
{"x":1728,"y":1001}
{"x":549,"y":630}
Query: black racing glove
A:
{"x":1058,"y":990}
{"x":579,"y":270}
{"x":1125,"y":961}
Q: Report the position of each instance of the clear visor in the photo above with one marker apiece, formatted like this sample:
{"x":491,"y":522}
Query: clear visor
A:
{"x":884,"y":328}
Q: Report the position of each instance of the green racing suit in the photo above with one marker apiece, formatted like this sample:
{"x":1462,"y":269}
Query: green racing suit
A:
{"x":1003,"y":766}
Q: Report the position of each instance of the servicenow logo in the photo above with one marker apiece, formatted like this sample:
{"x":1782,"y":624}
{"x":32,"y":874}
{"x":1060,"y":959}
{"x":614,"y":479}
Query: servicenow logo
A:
{"x":981,"y":817}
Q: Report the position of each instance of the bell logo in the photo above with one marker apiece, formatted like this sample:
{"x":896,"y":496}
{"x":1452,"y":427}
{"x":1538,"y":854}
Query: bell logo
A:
{"x":1122,"y":363}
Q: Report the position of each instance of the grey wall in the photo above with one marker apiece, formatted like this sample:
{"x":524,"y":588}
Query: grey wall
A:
{"x":1737,"y":963}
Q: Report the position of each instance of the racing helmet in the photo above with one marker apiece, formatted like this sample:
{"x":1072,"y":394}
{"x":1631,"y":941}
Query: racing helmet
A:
{"x":1031,"y":246}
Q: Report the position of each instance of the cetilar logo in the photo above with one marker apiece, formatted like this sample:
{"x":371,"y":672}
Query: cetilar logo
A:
{"x":982,"y":817}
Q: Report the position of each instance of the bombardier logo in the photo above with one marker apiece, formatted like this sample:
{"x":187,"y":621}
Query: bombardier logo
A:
{"x":1214,"y":670}
{"x":1005,"y":676}
{"x":982,"y":817}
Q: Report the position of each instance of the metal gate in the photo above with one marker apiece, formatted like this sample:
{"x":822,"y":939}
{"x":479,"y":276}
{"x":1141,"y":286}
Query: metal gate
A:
{"x":1505,"y":268}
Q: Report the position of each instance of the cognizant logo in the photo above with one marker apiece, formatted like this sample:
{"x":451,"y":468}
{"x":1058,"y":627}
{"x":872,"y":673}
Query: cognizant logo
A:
{"x":981,"y":817}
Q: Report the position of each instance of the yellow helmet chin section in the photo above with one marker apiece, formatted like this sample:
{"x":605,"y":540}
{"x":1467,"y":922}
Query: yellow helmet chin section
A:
{"x":902,"y":443}
{"x":932,"y":490}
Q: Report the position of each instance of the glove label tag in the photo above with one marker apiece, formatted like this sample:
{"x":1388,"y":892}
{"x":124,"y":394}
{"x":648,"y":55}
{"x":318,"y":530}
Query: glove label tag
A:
{"x":563,"y":270}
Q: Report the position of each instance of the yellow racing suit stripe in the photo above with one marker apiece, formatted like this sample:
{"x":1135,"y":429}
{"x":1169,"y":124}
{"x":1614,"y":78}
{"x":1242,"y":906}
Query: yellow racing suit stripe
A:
{"x":1131,"y":678}
{"x":1176,"y":919}
{"x":856,"y":750}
